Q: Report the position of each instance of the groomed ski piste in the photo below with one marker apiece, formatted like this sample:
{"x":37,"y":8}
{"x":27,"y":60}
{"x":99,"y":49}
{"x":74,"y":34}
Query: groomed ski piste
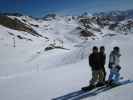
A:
{"x":27,"y":72}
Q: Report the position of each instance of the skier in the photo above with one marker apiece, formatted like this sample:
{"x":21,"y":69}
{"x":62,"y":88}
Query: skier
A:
{"x":102,"y":59}
{"x":114,"y":66}
{"x":97,"y":73}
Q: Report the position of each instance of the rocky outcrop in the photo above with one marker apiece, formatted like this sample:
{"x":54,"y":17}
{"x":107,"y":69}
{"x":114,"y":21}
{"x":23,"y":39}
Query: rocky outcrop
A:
{"x":17,"y":25}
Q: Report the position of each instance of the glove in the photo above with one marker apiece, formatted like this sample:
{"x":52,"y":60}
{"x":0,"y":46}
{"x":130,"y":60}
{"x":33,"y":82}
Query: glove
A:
{"x":111,"y":65}
{"x":118,"y":67}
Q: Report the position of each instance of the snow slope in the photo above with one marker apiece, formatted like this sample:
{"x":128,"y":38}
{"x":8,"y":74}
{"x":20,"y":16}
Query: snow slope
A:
{"x":27,"y":72}
{"x":46,"y":84}
{"x":29,"y":53}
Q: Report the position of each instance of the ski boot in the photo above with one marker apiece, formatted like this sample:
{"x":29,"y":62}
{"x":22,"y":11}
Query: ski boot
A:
{"x":88,"y":88}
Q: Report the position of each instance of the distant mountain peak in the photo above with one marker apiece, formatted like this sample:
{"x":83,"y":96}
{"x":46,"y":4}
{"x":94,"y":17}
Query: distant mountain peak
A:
{"x":115,"y":13}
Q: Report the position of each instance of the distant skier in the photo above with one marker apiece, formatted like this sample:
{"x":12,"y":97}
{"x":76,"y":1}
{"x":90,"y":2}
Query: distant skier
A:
{"x":114,"y":66}
{"x":102,"y":58}
{"x":97,"y":73}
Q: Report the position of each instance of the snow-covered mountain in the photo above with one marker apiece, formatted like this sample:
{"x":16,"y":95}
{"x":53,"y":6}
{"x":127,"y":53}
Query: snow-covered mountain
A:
{"x":43,"y":58}
{"x":73,"y":28}
{"x":119,"y":21}
{"x":117,"y":15}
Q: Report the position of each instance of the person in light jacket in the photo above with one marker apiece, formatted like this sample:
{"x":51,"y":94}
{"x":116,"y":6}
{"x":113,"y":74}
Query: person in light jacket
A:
{"x":114,"y":60}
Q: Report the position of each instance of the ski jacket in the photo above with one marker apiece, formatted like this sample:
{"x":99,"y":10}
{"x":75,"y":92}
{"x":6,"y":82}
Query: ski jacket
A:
{"x":102,"y":59}
{"x":94,"y":61}
{"x":114,"y":59}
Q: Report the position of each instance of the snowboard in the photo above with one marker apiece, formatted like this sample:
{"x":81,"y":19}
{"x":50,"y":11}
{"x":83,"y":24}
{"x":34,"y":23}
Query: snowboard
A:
{"x":80,"y":94}
{"x":89,"y":88}
{"x":100,"y":90}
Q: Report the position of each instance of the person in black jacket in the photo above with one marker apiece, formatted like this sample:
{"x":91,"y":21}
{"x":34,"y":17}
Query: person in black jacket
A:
{"x":102,"y":58}
{"x":97,"y":70}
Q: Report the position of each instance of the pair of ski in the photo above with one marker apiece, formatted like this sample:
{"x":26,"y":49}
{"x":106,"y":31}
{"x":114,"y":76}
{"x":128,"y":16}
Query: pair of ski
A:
{"x":81,"y":94}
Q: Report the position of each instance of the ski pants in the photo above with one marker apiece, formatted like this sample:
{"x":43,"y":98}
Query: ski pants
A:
{"x":97,"y":76}
{"x":104,"y":72}
{"x":114,"y":75}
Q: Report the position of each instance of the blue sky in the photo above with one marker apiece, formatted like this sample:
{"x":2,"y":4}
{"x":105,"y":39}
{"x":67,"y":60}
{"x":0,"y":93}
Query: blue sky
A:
{"x":65,"y":7}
